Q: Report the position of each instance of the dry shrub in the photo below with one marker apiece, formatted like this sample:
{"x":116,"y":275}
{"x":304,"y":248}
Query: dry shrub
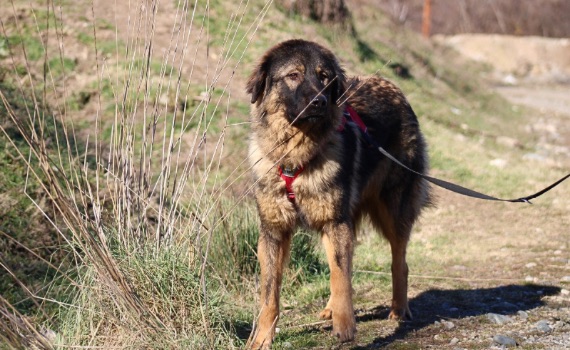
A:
{"x":135,"y":196}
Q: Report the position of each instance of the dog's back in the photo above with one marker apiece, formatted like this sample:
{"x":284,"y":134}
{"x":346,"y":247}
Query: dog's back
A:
{"x":391,"y":122}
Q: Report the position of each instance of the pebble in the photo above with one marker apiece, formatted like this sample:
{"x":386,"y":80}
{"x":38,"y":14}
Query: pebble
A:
{"x":522,"y":314}
{"x":565,"y":292}
{"x":508,"y":141}
{"x":498,"y":319}
{"x":542,"y":326}
{"x":287,"y":345}
{"x":530,"y":279}
{"x":535,"y":157}
{"x":454,"y":341}
{"x":448,"y":324}
{"x":560,"y":260}
{"x":530,"y":265}
{"x":507,"y":305}
{"x":565,"y":279}
{"x":49,"y":335}
{"x":504,"y":340}
{"x":498,"y":163}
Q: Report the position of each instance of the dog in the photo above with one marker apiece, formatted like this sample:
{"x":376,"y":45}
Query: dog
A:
{"x":315,"y":168}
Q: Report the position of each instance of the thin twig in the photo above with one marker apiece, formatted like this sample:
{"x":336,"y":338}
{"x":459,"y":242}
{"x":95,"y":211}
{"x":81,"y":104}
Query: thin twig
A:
{"x":443,"y":277}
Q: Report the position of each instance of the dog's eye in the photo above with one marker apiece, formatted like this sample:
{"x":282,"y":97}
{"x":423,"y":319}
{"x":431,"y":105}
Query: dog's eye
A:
{"x":293,"y":76}
{"x":323,"y":76}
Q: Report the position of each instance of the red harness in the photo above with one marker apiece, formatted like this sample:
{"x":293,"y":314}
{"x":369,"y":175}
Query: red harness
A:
{"x":289,"y":175}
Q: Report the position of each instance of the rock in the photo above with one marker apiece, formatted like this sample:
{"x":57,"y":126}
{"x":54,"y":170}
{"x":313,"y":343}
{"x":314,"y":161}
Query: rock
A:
{"x":455,"y":111}
{"x":508,"y":141}
{"x":448,"y":324}
{"x":508,"y":306}
{"x":454,"y":341}
{"x":49,"y":335}
{"x":498,"y":163}
{"x":535,"y":157}
{"x":505,"y":341}
{"x":287,"y":345}
{"x":531,"y":279}
{"x":530,"y":265}
{"x":565,"y":279}
{"x":565,"y":292}
{"x":510,"y":79}
{"x":498,"y":319}
{"x":543,"y":326}
{"x":522,"y":314}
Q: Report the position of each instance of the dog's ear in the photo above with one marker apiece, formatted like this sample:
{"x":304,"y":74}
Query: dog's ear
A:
{"x":339,"y":85}
{"x":257,"y":81}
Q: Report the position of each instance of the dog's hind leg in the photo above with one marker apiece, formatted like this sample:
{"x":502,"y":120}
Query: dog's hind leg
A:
{"x":338,"y":241}
{"x":273,"y":252}
{"x":399,"y":309}
{"x":398,"y":235}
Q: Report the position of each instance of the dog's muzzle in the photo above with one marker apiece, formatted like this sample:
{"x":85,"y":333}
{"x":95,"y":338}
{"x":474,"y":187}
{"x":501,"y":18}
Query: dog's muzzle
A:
{"x":316,"y":110}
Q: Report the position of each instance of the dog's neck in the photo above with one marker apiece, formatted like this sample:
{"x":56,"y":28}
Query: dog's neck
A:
{"x":289,"y":146}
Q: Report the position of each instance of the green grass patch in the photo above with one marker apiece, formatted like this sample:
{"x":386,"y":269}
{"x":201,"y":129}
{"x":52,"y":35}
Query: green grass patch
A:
{"x":33,"y":47}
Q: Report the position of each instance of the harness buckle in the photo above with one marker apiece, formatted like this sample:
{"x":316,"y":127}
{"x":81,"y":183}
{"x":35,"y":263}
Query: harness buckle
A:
{"x":289,"y":171}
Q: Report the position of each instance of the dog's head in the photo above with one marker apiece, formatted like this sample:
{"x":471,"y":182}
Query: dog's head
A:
{"x":300,"y":79}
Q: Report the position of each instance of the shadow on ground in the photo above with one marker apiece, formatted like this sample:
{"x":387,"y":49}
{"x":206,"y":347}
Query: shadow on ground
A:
{"x":434,"y":305}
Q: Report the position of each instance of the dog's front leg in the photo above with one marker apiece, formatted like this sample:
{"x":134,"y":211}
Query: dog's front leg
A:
{"x":339,"y":246}
{"x":272,"y":251}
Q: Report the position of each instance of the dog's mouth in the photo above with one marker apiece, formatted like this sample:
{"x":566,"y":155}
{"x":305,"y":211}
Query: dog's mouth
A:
{"x":309,"y":118}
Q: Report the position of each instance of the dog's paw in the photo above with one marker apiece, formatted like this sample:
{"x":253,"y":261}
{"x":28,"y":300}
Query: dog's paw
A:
{"x":400,"y":314}
{"x":344,"y":328}
{"x":259,"y":345}
{"x":326,"y":314}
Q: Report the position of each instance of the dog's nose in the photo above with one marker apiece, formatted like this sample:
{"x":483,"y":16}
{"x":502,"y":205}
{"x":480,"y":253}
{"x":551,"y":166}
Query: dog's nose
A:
{"x":320,"y":101}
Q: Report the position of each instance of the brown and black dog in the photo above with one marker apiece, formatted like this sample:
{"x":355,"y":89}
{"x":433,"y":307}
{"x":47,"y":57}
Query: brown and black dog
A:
{"x":298,"y":95}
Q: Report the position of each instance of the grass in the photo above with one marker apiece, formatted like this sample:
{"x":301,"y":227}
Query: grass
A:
{"x":134,"y":206}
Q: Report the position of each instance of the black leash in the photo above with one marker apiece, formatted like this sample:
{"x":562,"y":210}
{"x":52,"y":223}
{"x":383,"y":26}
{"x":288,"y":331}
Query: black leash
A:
{"x":466,"y":191}
{"x":442,"y":183}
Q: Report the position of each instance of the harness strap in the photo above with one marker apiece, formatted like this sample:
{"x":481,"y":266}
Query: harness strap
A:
{"x":289,"y":175}
{"x":350,"y":115}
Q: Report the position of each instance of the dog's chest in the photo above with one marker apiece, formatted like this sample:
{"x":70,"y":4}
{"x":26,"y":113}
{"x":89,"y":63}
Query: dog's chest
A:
{"x":317,"y":200}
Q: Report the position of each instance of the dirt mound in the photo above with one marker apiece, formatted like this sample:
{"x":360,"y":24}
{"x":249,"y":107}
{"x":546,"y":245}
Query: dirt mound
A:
{"x":516,"y":59}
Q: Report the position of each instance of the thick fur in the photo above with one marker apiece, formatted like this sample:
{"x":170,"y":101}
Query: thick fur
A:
{"x":298,"y":91}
